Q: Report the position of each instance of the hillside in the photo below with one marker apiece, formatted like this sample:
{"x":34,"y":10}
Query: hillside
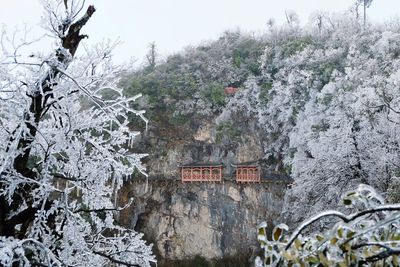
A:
{"x":318,"y":105}
{"x":323,"y":104}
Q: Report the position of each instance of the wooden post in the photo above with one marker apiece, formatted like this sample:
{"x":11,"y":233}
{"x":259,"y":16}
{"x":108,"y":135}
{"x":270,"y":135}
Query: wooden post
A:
{"x":237,"y":177}
{"x":250,"y":174}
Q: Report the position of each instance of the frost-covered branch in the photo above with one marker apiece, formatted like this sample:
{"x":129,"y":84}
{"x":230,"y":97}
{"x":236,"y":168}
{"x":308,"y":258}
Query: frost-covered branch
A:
{"x":366,"y":236}
{"x":64,"y":152}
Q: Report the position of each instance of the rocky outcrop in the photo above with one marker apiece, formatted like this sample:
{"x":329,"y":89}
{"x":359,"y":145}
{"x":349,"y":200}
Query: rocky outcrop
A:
{"x":227,"y":142}
{"x":209,"y":220}
{"x":212,"y":220}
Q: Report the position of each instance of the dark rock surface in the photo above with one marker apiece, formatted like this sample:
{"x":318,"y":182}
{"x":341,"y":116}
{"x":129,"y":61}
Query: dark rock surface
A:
{"x":211,"y":220}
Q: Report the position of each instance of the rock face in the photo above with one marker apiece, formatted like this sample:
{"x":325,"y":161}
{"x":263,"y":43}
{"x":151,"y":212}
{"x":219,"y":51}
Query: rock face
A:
{"x":211,"y":220}
{"x":204,"y":141}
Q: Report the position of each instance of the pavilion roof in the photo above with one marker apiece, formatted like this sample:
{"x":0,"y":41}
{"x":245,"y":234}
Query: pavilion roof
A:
{"x":203,"y":164}
{"x":254,"y":163}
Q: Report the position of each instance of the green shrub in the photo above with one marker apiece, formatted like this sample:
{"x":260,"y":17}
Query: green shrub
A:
{"x":229,"y":130}
{"x":215,"y":95}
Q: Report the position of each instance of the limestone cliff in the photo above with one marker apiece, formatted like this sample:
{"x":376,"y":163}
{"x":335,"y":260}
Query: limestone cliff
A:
{"x":212,"y":220}
{"x":192,"y":119}
{"x":215,"y":221}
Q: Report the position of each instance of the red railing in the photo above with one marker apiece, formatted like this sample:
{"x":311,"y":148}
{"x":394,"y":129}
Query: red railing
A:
{"x":248,"y":174}
{"x":201,"y":174}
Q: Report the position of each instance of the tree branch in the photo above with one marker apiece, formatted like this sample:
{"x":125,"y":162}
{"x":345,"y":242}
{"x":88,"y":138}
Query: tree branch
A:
{"x":343,"y":217}
{"x":110,"y":258}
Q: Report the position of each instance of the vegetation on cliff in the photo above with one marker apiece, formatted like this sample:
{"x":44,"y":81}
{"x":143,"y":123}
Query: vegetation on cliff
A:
{"x":192,"y":83}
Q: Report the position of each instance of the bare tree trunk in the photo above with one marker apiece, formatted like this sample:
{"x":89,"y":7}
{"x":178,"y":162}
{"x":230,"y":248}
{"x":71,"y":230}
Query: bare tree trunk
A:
{"x":151,"y":56}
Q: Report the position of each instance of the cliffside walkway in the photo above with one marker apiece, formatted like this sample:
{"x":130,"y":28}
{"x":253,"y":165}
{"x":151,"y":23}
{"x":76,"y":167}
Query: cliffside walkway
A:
{"x":201,"y":172}
{"x":212,"y":172}
{"x":248,"y":173}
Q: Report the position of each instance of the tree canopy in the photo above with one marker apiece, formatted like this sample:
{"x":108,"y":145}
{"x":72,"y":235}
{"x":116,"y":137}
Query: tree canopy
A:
{"x":64,"y":150}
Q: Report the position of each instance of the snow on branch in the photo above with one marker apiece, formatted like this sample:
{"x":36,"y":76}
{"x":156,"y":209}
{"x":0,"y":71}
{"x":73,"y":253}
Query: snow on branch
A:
{"x":65,"y":152}
{"x":363,"y":237}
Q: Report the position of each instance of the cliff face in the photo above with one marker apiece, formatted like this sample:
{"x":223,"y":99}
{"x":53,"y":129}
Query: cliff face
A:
{"x":214,"y":139}
{"x":193,"y":120}
{"x":212,"y":220}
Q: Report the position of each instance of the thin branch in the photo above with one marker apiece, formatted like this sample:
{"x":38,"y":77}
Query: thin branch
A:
{"x":61,"y":176}
{"x":343,"y":217}
{"x":104,"y":209}
{"x":115,"y":260}
{"x":383,"y":255}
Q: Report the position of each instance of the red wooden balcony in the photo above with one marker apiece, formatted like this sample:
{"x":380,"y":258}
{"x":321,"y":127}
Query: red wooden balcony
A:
{"x":201,"y":173}
{"x":248,"y":174}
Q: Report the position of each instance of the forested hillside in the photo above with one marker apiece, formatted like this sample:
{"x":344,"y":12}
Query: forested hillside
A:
{"x":325,"y":98}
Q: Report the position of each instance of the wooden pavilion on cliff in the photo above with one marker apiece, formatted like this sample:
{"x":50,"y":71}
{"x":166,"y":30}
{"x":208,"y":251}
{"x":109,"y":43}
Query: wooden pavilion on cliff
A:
{"x":201,"y":172}
{"x":248,"y":172}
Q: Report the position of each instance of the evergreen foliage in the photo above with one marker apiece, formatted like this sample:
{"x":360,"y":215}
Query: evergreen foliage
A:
{"x":367,"y":237}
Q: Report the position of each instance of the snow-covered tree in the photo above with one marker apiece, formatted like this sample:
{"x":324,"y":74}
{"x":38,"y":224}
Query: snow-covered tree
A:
{"x":327,"y":104}
{"x":64,"y":151}
{"x":347,"y":132}
{"x":365,"y":4}
{"x":151,"y":56}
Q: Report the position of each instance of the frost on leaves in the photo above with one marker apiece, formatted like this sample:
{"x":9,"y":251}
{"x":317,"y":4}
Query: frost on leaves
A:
{"x":367,"y":237}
